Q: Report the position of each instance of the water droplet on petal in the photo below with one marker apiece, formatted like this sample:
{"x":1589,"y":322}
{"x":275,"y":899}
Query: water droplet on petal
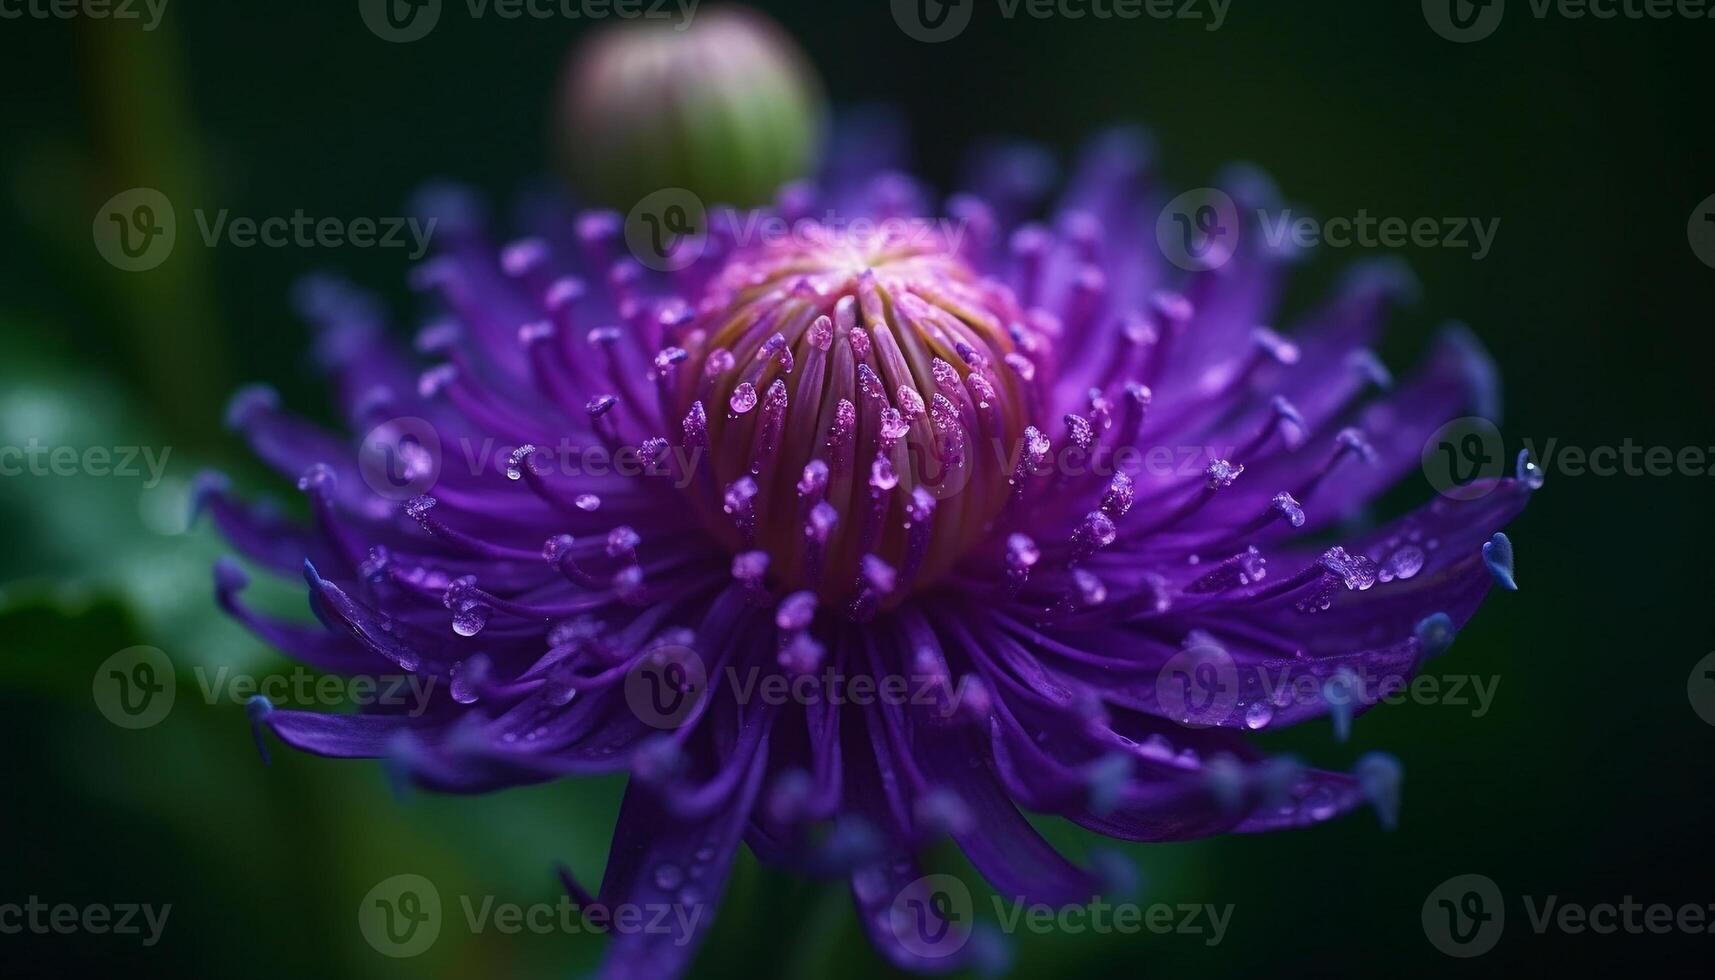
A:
{"x":470,"y":618}
{"x":720,"y":362}
{"x":1320,"y":804}
{"x":743,"y":398}
{"x":893,"y":424}
{"x":667,"y":358}
{"x":1022,"y":552}
{"x":1530,"y":474}
{"x":1436,"y":633}
{"x":621,"y":540}
{"x":882,"y":475}
{"x":668,"y":877}
{"x":1356,"y":572}
{"x":1401,"y":565}
{"x":516,"y":463}
{"x":1091,"y":589}
{"x":796,"y":611}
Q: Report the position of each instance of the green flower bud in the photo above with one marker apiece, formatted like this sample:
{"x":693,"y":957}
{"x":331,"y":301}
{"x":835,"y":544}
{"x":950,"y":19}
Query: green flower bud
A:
{"x":727,"y":107}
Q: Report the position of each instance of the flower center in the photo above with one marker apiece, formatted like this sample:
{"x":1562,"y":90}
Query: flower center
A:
{"x":857,"y":404}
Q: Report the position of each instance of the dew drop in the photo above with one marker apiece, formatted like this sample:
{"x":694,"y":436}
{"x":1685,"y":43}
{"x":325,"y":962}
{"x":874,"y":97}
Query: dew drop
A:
{"x":1436,"y":634}
{"x":1320,"y":804}
{"x":882,"y":475}
{"x":667,"y":358}
{"x":1356,"y":572}
{"x":515,"y":464}
{"x":1022,"y":552}
{"x":1530,"y":474}
{"x":1091,"y":589}
{"x":720,"y":362}
{"x":821,"y":522}
{"x":1401,"y":565}
{"x":1258,"y":715}
{"x":1096,"y":531}
{"x":893,"y":424}
{"x":668,"y":877}
{"x":621,"y":540}
{"x":796,"y":611}
{"x":319,"y":476}
{"x":470,"y":619}
{"x":743,"y":398}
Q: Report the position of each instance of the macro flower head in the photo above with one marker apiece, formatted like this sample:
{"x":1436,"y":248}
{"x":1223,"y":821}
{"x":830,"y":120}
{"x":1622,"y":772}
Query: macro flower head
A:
{"x":902,"y":527}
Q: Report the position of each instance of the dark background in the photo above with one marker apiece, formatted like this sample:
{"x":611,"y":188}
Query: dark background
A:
{"x":1588,"y":779}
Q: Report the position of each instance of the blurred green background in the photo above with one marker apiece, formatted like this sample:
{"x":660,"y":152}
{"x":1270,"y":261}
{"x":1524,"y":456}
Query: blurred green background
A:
{"x":1588,"y":778}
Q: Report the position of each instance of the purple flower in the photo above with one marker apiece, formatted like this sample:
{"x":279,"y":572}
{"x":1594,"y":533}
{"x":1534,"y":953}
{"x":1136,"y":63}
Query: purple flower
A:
{"x":875,"y":532}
